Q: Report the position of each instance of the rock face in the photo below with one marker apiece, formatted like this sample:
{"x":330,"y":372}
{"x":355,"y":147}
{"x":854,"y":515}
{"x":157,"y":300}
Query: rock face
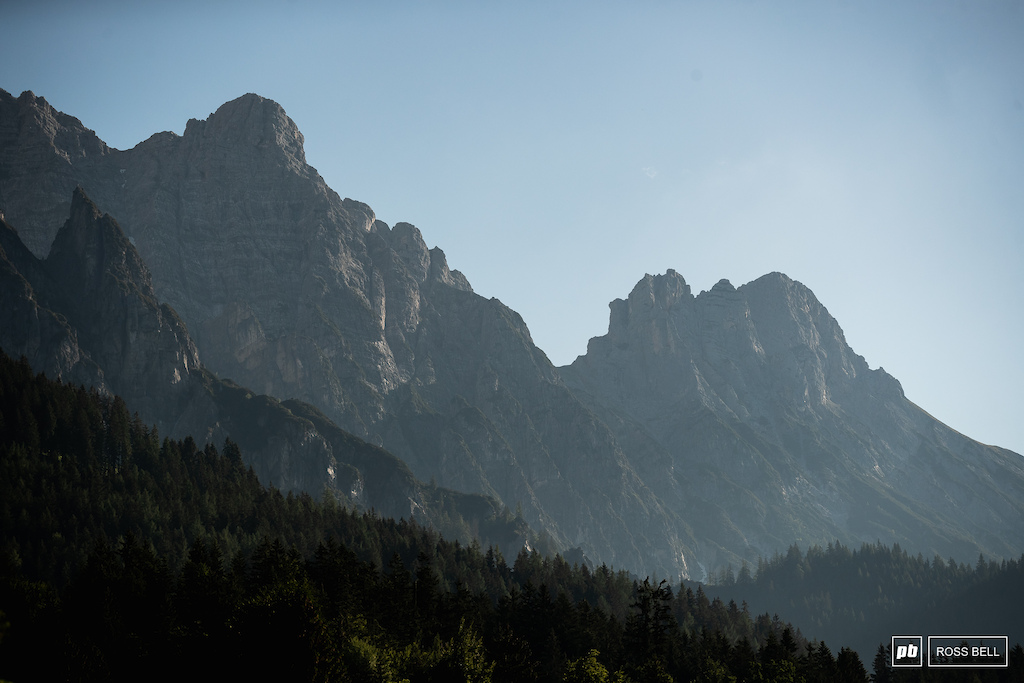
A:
{"x":756,"y":420}
{"x":299,"y":294}
{"x":27,"y":327}
{"x":88,"y":314}
{"x":48,"y":150}
{"x":700,"y":430}
{"x":105,"y":291}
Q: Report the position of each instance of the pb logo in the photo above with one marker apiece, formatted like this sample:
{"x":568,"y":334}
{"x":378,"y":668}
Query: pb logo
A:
{"x":904,"y":651}
{"x":907,"y":651}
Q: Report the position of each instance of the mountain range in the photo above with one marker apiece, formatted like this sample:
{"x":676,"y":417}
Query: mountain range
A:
{"x":203,"y":274}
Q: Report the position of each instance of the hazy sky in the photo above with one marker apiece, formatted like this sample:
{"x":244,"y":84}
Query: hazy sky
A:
{"x":557,"y":152}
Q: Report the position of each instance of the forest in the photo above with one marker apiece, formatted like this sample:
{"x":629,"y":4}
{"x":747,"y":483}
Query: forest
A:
{"x":124,"y":555}
{"x":855,"y":596}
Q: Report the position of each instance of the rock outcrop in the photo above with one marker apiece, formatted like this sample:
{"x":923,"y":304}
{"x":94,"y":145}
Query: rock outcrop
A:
{"x":28,"y":327}
{"x":87,"y":314}
{"x":104,"y":289}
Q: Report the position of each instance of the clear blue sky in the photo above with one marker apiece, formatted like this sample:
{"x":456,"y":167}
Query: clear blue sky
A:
{"x":558,"y":151}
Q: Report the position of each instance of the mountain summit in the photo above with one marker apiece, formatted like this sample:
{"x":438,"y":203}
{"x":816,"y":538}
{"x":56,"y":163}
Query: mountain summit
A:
{"x":753,"y":417}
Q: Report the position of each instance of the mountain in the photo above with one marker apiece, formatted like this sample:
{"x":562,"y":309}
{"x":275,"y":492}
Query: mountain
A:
{"x":87,"y":314}
{"x":299,"y":294}
{"x":753,"y":416}
{"x":700,"y":431}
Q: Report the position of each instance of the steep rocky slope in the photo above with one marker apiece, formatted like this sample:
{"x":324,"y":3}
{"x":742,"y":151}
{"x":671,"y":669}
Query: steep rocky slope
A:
{"x":299,"y":294}
{"x":41,"y":154}
{"x":88,"y":314}
{"x":750,"y":414}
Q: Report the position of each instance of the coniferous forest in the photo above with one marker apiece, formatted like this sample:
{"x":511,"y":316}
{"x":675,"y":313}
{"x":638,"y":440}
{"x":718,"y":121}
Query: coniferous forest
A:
{"x":127,"y":556}
{"x":858,"y":596}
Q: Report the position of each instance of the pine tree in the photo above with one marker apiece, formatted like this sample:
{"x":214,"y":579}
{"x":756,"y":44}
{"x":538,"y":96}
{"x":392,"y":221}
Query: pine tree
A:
{"x":881,"y":673}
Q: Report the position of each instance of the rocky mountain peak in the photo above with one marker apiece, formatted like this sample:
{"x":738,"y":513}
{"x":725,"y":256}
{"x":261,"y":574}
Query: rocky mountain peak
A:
{"x":39,"y":149}
{"x":65,"y":135}
{"x":423,"y":264}
{"x":440,"y":272}
{"x":91,"y":245}
{"x":88,"y":314}
{"x":408,"y":244}
{"x":254,"y":123}
{"x":723,"y":286}
{"x":653,"y":297}
{"x":783,"y":288}
{"x":28,"y":326}
{"x":752,"y":394}
{"x":660,"y":291}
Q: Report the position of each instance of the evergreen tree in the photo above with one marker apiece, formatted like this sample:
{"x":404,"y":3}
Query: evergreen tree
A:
{"x":881,"y":673}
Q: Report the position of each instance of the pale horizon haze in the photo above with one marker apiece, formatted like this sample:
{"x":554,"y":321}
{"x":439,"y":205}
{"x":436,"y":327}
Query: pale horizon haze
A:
{"x":557,"y":152}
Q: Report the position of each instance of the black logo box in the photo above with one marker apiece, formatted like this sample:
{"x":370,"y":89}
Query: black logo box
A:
{"x":912,"y":659}
{"x":968,"y":652}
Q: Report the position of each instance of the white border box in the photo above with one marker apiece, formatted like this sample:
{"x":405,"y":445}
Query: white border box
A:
{"x":971,"y":665}
{"x":892,"y":652}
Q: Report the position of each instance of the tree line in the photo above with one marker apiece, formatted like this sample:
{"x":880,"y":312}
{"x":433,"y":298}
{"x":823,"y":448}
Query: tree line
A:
{"x":864,"y":596}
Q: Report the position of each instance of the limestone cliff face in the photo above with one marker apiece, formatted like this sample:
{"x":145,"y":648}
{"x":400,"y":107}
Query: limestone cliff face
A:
{"x":751,"y":415}
{"x":104,"y":289}
{"x":299,"y":294}
{"x":88,"y":314}
{"x":243,"y":239}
